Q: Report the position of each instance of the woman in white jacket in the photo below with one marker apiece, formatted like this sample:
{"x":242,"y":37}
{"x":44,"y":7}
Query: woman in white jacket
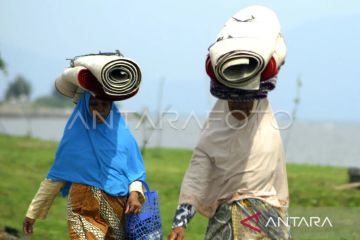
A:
{"x":237,"y":175}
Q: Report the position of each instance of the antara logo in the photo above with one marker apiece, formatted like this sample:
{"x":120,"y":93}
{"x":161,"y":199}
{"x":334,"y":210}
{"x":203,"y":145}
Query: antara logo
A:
{"x":257,"y":217}
{"x":299,"y":222}
{"x":288,"y":222}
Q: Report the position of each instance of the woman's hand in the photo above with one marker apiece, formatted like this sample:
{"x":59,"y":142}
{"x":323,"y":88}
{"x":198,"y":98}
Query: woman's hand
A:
{"x":28,"y":225}
{"x":133,"y":203}
{"x":177,"y":233}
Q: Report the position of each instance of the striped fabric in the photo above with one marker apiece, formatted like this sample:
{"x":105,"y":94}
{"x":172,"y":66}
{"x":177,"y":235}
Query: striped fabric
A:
{"x":221,"y":91}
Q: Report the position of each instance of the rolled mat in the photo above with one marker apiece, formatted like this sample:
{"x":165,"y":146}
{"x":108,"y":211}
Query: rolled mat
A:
{"x":245,"y":46}
{"x":67,"y":83}
{"x":106,"y":76}
{"x":119,"y":76}
{"x":88,"y":81}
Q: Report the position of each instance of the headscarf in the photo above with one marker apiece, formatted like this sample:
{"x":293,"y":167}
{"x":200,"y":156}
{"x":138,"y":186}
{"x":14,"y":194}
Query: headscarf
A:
{"x":221,"y":91}
{"x":236,"y":159}
{"x":104,"y":155}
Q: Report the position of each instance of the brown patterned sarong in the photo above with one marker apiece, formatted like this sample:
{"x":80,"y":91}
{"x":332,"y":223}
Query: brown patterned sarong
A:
{"x":95,"y":215}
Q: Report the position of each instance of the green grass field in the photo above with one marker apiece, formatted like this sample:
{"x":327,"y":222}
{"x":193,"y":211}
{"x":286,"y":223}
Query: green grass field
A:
{"x":24,"y":162}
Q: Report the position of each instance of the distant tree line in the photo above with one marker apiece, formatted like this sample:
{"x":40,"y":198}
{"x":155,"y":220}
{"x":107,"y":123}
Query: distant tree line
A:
{"x":20,"y":89}
{"x":55,"y":100}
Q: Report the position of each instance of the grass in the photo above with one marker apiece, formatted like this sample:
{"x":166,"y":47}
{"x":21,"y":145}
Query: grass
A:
{"x":24,"y":162}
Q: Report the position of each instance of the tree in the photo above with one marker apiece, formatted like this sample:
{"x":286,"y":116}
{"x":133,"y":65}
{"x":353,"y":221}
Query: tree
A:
{"x":2,"y":65}
{"x":54,"y":100}
{"x":20,"y":88}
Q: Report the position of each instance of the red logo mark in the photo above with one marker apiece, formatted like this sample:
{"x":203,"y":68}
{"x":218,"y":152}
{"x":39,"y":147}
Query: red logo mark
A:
{"x":257,"y":217}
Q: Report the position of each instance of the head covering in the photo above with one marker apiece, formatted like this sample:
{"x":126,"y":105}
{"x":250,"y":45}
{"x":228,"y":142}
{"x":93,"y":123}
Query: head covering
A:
{"x":221,"y":91}
{"x":104,"y":155}
{"x":236,"y":159}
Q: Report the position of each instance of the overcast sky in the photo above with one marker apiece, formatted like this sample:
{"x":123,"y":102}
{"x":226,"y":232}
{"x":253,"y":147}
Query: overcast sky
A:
{"x":169,"y":40}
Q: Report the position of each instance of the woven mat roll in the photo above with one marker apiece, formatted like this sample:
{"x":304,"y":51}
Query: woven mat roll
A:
{"x":106,"y":76}
{"x":119,"y":76}
{"x":244,"y":47}
{"x":67,"y":83}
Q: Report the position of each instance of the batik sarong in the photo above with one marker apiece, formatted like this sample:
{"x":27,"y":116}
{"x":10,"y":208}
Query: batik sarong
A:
{"x":95,"y":215}
{"x":247,"y":219}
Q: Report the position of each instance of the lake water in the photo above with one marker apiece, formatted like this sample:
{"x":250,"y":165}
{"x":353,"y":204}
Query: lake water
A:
{"x":321,"y":143}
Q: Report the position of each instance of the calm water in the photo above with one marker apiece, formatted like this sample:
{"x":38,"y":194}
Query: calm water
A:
{"x":335,"y":144}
